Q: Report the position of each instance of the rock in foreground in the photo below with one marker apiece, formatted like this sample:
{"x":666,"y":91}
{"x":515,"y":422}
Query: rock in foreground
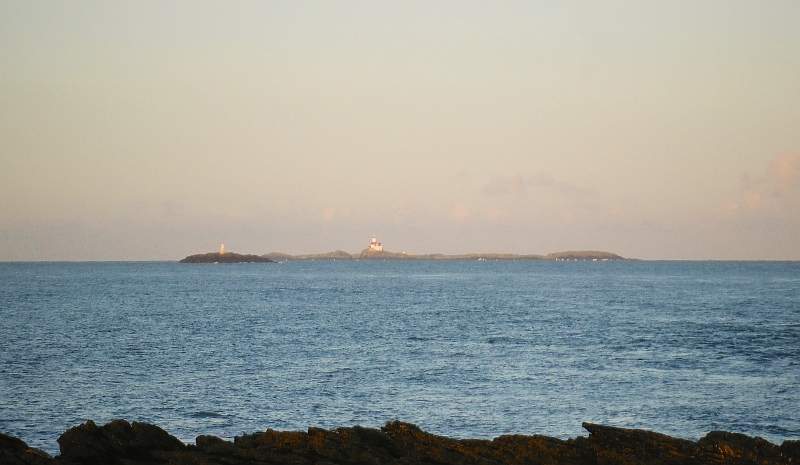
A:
{"x":120,"y":442}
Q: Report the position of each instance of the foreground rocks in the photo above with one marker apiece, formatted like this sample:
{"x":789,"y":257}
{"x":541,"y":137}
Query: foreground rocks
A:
{"x":120,"y":442}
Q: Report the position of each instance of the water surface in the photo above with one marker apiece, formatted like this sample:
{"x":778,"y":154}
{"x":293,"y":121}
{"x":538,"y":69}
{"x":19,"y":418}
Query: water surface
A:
{"x":461,"y":348}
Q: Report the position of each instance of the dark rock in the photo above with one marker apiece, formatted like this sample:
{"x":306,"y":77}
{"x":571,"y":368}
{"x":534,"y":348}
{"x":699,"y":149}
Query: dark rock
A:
{"x":397,"y":443}
{"x":623,"y":446}
{"x":420,"y":446}
{"x":115,"y":441}
{"x":14,"y":451}
{"x":736,"y":448}
{"x":791,"y":450}
{"x":543,"y":450}
{"x":12,"y":444}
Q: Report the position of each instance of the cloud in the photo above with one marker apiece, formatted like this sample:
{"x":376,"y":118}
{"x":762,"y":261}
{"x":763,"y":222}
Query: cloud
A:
{"x":497,"y":214}
{"x":544,"y":180}
{"x":459,"y":213}
{"x":332,"y":213}
{"x":753,"y":199}
{"x":328,"y":214}
{"x":510,"y":185}
{"x":783,"y":172}
{"x":776,"y":188}
{"x":519,"y":185}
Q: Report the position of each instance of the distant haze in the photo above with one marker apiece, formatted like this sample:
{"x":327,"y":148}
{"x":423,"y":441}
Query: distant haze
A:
{"x":153,"y":130}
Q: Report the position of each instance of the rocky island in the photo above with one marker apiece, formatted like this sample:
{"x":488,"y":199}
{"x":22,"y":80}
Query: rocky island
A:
{"x":367,"y":254}
{"x":375,"y":251}
{"x":229,"y":257}
{"x":224,"y":257}
{"x":123,"y":443}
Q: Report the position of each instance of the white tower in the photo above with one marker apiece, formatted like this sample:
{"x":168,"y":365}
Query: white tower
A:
{"x":375,"y":245}
{"x":222,"y":249}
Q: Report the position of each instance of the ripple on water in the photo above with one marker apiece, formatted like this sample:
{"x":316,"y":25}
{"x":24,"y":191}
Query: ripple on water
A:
{"x":465,"y":349}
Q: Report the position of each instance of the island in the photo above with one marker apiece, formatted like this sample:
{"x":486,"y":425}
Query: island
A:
{"x":367,"y":254}
{"x":230,"y":257}
{"x":224,"y":257}
{"x":123,"y":443}
{"x":375,"y":251}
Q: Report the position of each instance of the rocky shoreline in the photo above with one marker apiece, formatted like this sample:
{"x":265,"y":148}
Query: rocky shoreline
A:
{"x":123,"y":443}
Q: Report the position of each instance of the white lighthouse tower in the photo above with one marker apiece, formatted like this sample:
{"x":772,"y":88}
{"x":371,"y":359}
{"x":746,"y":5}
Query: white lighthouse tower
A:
{"x":375,"y":245}
{"x":222,"y":249}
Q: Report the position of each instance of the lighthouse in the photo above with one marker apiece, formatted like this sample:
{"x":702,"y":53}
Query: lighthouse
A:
{"x":375,"y":245}
{"x":222,"y":249}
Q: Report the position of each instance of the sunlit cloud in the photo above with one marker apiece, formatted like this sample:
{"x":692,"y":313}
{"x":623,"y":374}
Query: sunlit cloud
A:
{"x":328,"y":214}
{"x":731,"y":206}
{"x":753,"y":199}
{"x":541,"y":199}
{"x":510,"y":185}
{"x":332,"y":213}
{"x":520,"y":185}
{"x":459,"y":213}
{"x":784,"y":172}
{"x":775,"y":188}
{"x":568,"y":189}
{"x":497,"y":214}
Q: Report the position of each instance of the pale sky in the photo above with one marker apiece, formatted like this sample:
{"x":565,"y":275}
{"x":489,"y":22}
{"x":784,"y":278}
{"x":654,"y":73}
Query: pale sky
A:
{"x":154,"y":130}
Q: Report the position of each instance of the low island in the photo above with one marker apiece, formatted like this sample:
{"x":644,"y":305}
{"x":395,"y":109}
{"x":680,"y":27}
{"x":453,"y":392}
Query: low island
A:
{"x":230,"y":257}
{"x":375,"y":251}
{"x":369,"y":254}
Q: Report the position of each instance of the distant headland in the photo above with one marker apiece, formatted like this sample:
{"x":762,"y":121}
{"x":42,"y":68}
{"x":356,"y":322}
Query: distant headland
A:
{"x":224,"y":257}
{"x":375,"y":252}
{"x":230,"y":257}
{"x":585,"y":255}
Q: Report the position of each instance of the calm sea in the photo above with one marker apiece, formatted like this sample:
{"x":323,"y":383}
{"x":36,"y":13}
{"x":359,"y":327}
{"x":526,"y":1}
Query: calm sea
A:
{"x":462,"y":348}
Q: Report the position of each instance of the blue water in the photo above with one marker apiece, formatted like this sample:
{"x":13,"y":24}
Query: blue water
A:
{"x":463,"y":348}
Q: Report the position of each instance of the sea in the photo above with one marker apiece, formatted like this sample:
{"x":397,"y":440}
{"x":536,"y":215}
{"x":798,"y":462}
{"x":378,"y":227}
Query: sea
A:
{"x":466,"y":349}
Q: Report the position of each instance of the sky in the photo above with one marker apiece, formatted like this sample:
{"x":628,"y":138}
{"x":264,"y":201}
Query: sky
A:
{"x":151,"y":130}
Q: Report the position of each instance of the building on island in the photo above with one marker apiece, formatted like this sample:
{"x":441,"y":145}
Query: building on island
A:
{"x":375,"y":245}
{"x":222,"y":249}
